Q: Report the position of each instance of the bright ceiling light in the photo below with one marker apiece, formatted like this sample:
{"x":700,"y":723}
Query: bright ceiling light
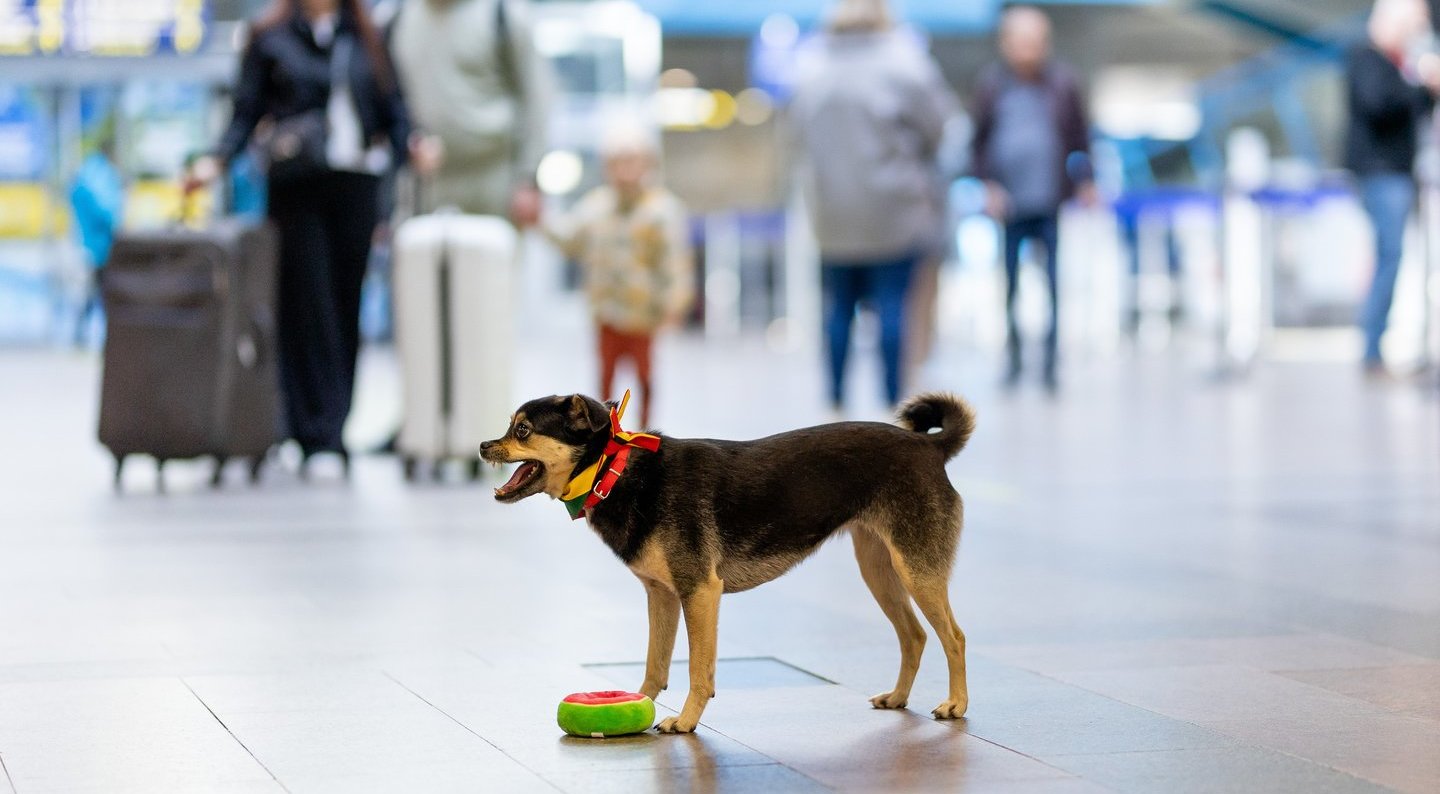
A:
{"x":559,"y":172}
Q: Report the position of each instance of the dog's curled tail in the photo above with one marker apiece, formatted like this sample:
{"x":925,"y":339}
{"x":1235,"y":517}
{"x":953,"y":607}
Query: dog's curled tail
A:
{"x":950,"y":413}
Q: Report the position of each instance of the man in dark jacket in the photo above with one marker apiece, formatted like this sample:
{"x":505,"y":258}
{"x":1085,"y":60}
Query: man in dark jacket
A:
{"x":1390,"y":94}
{"x":1031,"y":147}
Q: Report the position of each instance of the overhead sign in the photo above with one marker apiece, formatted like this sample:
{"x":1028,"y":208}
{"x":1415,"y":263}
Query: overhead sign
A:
{"x":126,"y":28}
{"x":744,"y":17}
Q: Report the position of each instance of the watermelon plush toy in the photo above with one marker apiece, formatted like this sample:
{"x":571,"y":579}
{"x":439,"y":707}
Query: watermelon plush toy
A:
{"x":596,"y":715}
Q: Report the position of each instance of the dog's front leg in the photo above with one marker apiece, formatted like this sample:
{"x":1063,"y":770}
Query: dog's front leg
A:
{"x":664,"y":620}
{"x":702,"y":616}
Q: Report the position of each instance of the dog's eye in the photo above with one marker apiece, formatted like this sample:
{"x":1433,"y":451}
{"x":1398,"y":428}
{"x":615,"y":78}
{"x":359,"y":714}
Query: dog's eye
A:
{"x":522,"y":430}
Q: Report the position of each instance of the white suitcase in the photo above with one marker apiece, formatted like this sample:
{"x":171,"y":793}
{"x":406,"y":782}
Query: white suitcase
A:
{"x":454,"y":335}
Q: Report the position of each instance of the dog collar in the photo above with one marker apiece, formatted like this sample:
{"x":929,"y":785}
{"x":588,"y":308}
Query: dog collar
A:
{"x":592,"y":485}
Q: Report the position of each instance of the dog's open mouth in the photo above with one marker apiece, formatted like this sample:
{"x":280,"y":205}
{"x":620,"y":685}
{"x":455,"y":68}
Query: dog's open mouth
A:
{"x":526,"y":475}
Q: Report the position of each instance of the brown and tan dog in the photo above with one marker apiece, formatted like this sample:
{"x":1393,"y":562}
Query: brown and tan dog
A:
{"x":696,"y":518}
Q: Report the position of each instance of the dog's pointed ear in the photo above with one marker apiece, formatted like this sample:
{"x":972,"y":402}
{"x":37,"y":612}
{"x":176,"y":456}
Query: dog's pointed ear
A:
{"x":584,"y":414}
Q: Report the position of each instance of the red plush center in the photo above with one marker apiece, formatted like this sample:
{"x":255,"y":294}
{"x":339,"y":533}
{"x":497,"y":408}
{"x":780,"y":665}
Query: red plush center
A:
{"x":604,"y":698}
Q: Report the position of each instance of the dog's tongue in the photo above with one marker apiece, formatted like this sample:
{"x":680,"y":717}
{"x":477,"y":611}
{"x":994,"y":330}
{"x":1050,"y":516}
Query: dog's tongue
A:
{"x":520,"y":477}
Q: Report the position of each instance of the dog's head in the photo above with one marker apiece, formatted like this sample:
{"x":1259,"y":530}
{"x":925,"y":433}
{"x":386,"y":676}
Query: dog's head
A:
{"x":548,"y":437}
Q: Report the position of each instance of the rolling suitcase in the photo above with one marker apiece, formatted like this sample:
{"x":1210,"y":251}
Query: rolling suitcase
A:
{"x":452,"y":298}
{"x":190,"y":349}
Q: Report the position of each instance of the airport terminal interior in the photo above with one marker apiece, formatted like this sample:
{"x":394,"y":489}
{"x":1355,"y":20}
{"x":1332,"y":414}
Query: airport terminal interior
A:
{"x":1199,"y":554}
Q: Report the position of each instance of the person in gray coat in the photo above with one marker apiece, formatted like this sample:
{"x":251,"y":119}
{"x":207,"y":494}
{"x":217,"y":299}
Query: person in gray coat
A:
{"x":480,"y":94}
{"x":868,"y":113}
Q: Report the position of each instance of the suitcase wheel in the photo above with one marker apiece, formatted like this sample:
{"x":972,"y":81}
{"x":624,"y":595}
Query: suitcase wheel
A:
{"x":119,"y":468}
{"x":256,"y":466}
{"x":217,"y":477}
{"x":160,"y":475}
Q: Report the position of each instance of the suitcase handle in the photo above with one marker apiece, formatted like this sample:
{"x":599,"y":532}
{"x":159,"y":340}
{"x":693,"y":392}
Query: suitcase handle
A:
{"x":248,"y":347}
{"x":220,"y":190}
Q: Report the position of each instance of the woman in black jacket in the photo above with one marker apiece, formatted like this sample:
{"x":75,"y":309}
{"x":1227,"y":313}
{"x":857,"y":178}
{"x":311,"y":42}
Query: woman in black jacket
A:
{"x":317,"y":74}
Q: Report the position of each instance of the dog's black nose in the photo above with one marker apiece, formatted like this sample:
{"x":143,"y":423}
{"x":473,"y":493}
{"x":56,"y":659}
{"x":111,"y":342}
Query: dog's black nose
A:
{"x":486,"y":445}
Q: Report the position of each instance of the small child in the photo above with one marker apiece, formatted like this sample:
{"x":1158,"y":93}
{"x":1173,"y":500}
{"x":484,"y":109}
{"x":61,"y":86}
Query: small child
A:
{"x":631,"y":240}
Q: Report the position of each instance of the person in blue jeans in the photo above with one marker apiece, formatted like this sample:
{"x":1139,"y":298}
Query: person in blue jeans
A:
{"x":869,"y":110}
{"x":1387,"y":199}
{"x":884,"y":285}
{"x":1390,"y":94}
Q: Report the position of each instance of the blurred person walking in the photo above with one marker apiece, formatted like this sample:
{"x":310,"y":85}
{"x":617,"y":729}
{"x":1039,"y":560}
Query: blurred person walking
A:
{"x":1390,"y":91}
{"x":479,"y":96}
{"x":478,"y":91}
{"x":1031,"y":147}
{"x":869,"y":111}
{"x":316,"y":71}
{"x":631,"y":238}
{"x":97,"y":199}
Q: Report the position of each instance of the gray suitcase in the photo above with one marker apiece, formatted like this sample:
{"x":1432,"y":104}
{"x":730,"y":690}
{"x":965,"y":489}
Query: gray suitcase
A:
{"x":190,"y":346}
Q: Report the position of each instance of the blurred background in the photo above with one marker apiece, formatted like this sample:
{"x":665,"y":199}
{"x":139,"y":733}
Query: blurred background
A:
{"x":1203,"y":535}
{"x":1196,"y":109}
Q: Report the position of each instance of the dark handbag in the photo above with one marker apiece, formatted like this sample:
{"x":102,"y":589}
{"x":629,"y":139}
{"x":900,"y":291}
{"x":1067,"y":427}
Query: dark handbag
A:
{"x":296,"y":148}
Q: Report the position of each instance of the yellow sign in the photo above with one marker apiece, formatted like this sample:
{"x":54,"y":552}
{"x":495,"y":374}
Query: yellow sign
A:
{"x":24,"y":207}
{"x":101,"y":27}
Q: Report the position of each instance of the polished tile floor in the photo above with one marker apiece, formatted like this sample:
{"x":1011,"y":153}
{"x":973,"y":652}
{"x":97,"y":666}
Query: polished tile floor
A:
{"x":1169,"y":585}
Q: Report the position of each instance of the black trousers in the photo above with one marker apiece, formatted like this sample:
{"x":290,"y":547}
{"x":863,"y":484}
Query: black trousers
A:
{"x":1045,"y":230}
{"x":325,"y":223}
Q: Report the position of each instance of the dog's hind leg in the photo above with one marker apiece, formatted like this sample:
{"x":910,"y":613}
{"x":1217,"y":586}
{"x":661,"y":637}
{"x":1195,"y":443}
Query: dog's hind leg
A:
{"x":664,"y":620}
{"x":884,"y":583}
{"x":931,"y":591}
{"x":702,"y":617}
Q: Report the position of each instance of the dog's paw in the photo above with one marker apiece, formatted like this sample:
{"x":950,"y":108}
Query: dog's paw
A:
{"x":950,"y":710}
{"x":674,"y":725}
{"x":889,"y":700}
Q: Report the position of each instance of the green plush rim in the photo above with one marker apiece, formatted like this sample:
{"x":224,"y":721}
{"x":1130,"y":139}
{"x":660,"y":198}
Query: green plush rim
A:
{"x":613,"y":719}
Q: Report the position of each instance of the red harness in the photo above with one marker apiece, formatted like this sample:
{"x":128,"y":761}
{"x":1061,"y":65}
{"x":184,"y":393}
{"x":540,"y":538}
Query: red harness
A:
{"x":613,"y":462}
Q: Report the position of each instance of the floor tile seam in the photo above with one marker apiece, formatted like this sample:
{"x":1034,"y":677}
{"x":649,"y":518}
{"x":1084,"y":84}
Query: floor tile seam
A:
{"x":1286,"y":674}
{"x":1063,"y":773}
{"x":1138,"y":707}
{"x":757,"y":657}
{"x":773,"y":760}
{"x":960,"y":725}
{"x":1309,"y":762}
{"x":1376,"y":709}
{"x":232,"y":735}
{"x":1325,"y":632}
{"x":1242,"y":742}
{"x":1419,"y":720}
{"x":471,"y":731}
{"x":5,"y":771}
{"x":1306,"y":625}
{"x":1289,"y":671}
